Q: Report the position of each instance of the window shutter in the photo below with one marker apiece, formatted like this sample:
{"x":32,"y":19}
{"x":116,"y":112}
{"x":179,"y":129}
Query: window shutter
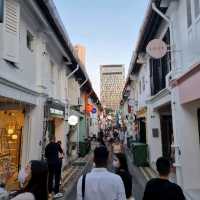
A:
{"x":1,"y":10}
{"x":11,"y":30}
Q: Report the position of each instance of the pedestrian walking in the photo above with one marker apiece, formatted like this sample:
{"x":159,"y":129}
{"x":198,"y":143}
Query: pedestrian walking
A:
{"x":121,"y":168}
{"x":121,"y":135}
{"x":161,"y":188}
{"x":125,"y":137}
{"x":100,"y":184}
{"x":117,"y":146}
{"x":61,"y":156}
{"x":34,"y":180}
{"x":115,"y":134}
{"x":52,"y":151}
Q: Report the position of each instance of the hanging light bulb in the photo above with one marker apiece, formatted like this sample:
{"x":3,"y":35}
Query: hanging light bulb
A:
{"x":14,"y":137}
{"x":10,"y":131}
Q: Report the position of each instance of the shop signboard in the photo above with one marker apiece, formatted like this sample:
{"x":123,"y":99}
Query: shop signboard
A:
{"x":55,"y":109}
{"x":94,"y":110}
{"x":156,"y":48}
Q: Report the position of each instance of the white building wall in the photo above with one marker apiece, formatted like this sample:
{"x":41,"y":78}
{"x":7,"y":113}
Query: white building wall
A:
{"x":186,"y":39}
{"x":30,"y":80}
{"x":73,"y":92}
{"x":187,"y":134}
{"x":154,"y":143}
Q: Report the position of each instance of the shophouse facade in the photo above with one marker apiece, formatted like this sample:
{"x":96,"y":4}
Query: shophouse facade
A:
{"x":38,"y":68}
{"x":172,"y":99}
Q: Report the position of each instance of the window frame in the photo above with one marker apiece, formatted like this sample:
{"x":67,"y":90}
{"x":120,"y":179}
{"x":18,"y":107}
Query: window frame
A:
{"x":1,"y":11}
{"x":29,"y":41}
{"x":189,"y":8}
{"x":196,"y":15}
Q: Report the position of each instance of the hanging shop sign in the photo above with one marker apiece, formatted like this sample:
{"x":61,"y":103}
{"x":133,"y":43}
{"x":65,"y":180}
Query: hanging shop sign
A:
{"x":55,"y":109}
{"x":156,"y":48}
{"x":94,"y":110}
{"x":73,"y":120}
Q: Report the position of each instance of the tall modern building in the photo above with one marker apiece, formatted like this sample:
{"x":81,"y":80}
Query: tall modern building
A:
{"x":81,"y":52}
{"x":112,"y":83}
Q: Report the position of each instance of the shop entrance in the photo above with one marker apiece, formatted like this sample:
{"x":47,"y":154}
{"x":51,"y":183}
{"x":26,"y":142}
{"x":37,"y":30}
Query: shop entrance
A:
{"x":11,"y":126}
{"x":167,"y":132}
{"x":142,"y":130}
{"x":167,"y":135}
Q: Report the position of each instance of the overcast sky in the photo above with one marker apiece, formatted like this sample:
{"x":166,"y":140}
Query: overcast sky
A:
{"x":109,"y":30}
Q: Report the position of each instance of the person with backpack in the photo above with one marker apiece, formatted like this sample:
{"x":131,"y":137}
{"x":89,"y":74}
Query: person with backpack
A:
{"x":100,"y":184}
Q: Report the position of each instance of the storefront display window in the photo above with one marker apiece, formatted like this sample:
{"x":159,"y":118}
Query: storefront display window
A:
{"x":11,"y":124}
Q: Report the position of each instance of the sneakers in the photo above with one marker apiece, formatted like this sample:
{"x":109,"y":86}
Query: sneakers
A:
{"x":58,"y":195}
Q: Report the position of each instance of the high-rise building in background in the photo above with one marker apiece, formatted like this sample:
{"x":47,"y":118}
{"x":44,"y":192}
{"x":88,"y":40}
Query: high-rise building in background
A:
{"x":81,"y":52}
{"x":112,"y":83}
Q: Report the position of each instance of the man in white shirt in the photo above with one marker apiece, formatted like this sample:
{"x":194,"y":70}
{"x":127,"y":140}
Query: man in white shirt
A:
{"x":100,"y":184}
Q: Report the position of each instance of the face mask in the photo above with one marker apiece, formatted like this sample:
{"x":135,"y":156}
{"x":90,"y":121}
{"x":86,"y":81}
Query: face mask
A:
{"x":22,"y":177}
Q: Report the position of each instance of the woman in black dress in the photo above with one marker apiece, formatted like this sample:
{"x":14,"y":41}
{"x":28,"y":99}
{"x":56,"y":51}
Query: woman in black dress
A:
{"x":121,"y":169}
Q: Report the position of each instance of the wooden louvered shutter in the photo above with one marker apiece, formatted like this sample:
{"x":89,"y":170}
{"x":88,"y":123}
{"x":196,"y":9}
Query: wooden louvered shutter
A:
{"x":11,"y":30}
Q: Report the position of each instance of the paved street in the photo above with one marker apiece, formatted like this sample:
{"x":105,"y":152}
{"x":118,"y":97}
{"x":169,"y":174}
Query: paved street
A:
{"x":139,"y":180}
{"x":71,"y":195}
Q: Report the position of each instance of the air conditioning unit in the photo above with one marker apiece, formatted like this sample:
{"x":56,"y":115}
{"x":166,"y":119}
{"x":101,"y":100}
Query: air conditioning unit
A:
{"x":168,"y":79}
{"x":80,"y":101}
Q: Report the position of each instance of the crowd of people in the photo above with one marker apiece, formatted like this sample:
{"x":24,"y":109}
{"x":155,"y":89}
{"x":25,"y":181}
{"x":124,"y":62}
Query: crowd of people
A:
{"x":39,"y":180}
{"x":103,"y":183}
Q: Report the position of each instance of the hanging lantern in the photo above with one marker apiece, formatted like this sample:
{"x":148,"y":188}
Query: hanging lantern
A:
{"x":89,"y":108}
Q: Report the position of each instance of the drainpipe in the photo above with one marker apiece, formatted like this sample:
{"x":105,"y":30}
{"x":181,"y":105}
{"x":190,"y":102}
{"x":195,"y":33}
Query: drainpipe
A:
{"x":84,"y":83}
{"x":169,"y":21}
{"x":73,"y":72}
{"x":154,"y":7}
{"x":173,"y":97}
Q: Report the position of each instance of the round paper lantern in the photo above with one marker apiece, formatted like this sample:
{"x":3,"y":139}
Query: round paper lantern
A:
{"x":73,"y":120}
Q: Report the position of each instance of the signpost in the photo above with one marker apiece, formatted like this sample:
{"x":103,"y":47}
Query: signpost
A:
{"x":94,"y":110}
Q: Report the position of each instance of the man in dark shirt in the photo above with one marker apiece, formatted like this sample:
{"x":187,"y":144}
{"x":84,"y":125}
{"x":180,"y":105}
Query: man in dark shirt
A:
{"x":52,"y":151}
{"x":161,"y":188}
